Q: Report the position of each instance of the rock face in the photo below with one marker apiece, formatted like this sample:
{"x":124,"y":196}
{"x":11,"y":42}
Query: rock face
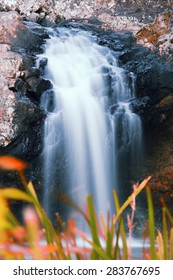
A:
{"x":140,"y":17}
{"x":11,"y":64}
{"x":159,"y":160}
{"x":20,"y":83}
{"x":154,"y":83}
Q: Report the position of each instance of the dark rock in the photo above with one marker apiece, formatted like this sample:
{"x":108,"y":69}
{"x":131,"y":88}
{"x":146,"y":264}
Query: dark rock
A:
{"x":154,"y":76}
{"x":134,"y":54}
{"x":155,"y":80}
{"x":117,"y":41}
{"x":42,"y":65}
{"x":47,"y":101}
{"x":46,"y":22}
{"x":37,"y":86}
{"x":26,"y":112}
{"x":29,"y":120}
{"x":21,"y":86}
{"x":95,"y":21}
{"x":34,"y":72}
{"x":29,"y":38}
{"x":140,"y":105}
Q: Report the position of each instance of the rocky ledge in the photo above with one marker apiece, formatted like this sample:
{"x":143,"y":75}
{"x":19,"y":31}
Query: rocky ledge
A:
{"x":149,"y":21}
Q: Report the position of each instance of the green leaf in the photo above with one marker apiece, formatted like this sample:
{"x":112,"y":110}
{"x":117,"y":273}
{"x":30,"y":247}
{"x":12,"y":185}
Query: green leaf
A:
{"x":93,"y":223}
{"x":122,"y":228}
{"x":151,"y":225}
{"x":171,"y":244}
{"x":100,"y":252}
{"x":165,"y":233}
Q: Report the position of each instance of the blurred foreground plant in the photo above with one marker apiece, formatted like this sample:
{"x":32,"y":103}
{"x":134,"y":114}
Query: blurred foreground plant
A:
{"x":38,"y":239}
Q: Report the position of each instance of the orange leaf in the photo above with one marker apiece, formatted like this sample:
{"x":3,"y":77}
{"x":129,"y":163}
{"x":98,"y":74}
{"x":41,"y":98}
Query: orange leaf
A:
{"x":11,"y":163}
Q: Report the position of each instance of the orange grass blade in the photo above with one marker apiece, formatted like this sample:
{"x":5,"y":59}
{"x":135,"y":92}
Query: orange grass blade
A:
{"x":12,"y":163}
{"x":130,"y":198}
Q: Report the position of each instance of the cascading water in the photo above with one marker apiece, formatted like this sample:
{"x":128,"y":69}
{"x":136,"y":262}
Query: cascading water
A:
{"x":90,"y":122}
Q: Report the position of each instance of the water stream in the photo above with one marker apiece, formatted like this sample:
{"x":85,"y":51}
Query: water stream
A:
{"x":91,"y":134}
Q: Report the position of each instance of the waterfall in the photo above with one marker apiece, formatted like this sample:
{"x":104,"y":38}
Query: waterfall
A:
{"x":89,"y":122}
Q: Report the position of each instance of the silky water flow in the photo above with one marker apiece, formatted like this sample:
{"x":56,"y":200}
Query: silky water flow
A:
{"x":90,"y":126}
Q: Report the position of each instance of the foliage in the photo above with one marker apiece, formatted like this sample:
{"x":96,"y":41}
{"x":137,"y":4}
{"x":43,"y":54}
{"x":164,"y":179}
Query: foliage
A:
{"x":38,"y":239}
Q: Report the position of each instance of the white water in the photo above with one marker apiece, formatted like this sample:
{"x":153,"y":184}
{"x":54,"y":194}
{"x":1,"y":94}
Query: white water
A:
{"x":80,"y":129}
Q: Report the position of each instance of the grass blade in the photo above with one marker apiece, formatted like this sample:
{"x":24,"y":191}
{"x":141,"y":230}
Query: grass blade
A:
{"x":171,"y":244}
{"x":151,"y":225}
{"x":160,"y":246}
{"x":122,"y":228}
{"x":165,"y":233}
{"x":130,"y":198}
{"x":93,"y":224}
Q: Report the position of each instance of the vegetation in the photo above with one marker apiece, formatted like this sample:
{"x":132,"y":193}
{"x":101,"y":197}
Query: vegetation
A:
{"x":37,"y":239}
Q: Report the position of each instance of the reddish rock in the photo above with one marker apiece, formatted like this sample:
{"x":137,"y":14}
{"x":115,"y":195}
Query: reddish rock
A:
{"x":159,"y":159}
{"x":9,"y":24}
{"x":162,"y":181}
{"x":11,"y":67}
{"x":7,"y":108}
{"x":11,"y":64}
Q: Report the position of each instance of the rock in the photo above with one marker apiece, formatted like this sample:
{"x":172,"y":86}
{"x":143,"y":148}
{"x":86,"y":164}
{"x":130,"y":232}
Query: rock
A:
{"x":140,"y":105}
{"x":29,"y":38}
{"x":9,"y":24}
{"x":153,"y":81}
{"x":18,"y":114}
{"x":158,"y":159}
{"x":156,"y":34}
{"x":7,"y":108}
{"x":37,"y":86}
{"x":26,"y":112}
{"x":11,"y":63}
{"x":162,"y":181}
{"x":42,"y":64}
{"x":33,"y":17}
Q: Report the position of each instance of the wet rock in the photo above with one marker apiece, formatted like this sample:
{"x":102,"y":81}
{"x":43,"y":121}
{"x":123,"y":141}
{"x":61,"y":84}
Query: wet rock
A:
{"x":153,"y":80}
{"x":29,"y":38}
{"x":42,"y":65}
{"x":37,"y":86}
{"x":140,"y":105}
